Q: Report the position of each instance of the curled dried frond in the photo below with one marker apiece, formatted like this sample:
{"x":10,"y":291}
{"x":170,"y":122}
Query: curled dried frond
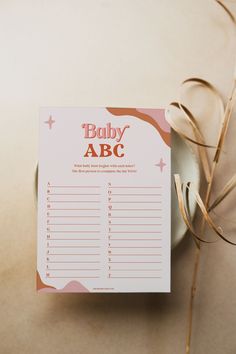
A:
{"x":228,"y":188}
{"x":184,"y":210}
{"x":229,"y":13}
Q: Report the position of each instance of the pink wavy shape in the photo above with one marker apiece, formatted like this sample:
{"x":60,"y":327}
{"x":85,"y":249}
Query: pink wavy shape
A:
{"x":158,"y":115}
{"x":72,"y":287}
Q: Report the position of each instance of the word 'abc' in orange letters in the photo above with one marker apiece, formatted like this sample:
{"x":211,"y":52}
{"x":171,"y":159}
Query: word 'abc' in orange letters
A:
{"x":105,"y":150}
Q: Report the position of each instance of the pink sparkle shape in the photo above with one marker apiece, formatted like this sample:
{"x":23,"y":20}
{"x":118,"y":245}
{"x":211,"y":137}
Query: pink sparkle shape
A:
{"x":161,"y":164}
{"x":50,"y":122}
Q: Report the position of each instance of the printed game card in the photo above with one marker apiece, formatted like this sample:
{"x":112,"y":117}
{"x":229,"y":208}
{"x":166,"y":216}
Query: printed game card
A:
{"x":104,"y":200}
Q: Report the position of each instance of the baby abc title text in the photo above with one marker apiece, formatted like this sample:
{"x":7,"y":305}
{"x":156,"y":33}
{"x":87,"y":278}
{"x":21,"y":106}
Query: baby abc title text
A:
{"x":91,"y":131}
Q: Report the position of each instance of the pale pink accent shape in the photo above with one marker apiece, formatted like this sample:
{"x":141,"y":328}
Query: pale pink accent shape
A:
{"x":50,"y":122}
{"x":158,"y":115}
{"x":161,"y":164}
{"x":71,"y":287}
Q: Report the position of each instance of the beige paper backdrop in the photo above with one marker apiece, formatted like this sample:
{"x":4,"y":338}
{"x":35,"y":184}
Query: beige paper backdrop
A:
{"x":107,"y":53}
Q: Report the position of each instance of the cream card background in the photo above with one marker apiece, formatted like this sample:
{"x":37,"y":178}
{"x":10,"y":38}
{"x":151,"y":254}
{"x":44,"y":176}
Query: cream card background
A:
{"x":60,"y":149}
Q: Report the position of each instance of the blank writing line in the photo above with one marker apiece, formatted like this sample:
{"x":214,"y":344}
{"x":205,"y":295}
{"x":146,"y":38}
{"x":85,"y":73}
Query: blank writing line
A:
{"x":135,"y":194}
{"x":134,"y":187}
{"x":135,"y":232}
{"x":127,"y":224}
{"x":73,"y":194}
{"x":76,"y":209}
{"x":73,"y":254}
{"x":134,"y":201}
{"x":70,"y":254}
{"x":74,"y":201}
{"x":77,"y":224}
{"x":73,"y":247}
{"x":134,"y":239}
{"x":136,"y":210}
{"x":134,"y":254}
{"x":71,"y":269}
{"x":133,"y":217}
{"x":73,"y":262}
{"x":73,"y":186}
{"x":133,"y":262}
{"x":73,"y":277}
{"x":134,"y":270}
{"x":134,"y":247}
{"x":72,"y":216}
{"x":73,"y":232}
{"x":125,"y":194}
{"x":73,"y":239}
{"x":135,"y":277}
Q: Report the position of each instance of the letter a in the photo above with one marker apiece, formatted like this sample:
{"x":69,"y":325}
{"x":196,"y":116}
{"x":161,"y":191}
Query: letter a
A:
{"x":90,"y":151}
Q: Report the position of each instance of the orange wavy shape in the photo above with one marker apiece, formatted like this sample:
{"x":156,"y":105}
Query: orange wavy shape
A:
{"x":40,"y":284}
{"x":143,"y":116}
